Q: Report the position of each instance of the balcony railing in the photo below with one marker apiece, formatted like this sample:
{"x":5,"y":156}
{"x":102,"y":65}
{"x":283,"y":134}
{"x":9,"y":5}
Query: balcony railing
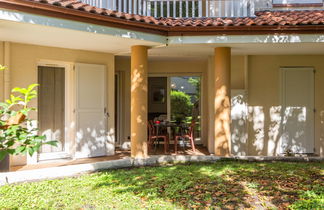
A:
{"x":179,"y":8}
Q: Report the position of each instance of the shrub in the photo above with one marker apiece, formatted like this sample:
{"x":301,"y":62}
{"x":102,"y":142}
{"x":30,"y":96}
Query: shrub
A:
{"x":181,"y":105}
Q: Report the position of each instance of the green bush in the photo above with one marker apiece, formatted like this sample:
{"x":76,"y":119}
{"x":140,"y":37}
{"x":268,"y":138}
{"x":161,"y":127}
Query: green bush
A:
{"x":181,"y":106}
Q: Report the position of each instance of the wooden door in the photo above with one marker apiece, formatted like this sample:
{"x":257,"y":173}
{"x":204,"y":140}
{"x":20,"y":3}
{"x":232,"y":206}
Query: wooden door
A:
{"x":51,"y":107}
{"x":298,"y":110}
{"x":91,"y":112}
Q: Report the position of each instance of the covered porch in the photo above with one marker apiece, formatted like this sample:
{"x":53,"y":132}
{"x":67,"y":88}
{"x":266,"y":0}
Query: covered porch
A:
{"x":147,"y":73}
{"x":271,"y":87}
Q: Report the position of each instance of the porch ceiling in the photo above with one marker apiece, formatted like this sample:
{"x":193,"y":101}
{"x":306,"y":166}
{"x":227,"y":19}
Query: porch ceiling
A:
{"x":191,"y":51}
{"x":202,"y":51}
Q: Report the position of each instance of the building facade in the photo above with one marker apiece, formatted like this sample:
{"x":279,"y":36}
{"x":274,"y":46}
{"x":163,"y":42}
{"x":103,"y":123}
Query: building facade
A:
{"x":261,"y":72}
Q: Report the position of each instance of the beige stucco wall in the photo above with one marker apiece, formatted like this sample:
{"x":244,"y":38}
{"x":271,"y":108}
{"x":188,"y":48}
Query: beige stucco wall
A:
{"x":23,"y":69}
{"x":263,"y":94}
{"x":264,"y":98}
{"x":263,"y":87}
{"x":237,"y":72}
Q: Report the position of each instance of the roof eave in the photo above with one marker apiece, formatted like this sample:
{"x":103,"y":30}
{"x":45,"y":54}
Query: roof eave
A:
{"x":117,"y":22}
{"x":251,"y":30}
{"x":81,"y":16}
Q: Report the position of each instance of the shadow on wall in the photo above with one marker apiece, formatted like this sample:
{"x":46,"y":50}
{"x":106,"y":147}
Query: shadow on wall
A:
{"x":222,"y":119}
{"x":260,"y":130}
{"x":239,"y":133}
{"x":275,"y":131}
{"x":91,"y":141}
{"x":139,"y":111}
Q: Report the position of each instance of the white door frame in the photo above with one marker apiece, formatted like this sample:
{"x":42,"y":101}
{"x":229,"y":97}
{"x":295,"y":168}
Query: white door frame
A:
{"x":282,"y":99}
{"x":68,"y":119}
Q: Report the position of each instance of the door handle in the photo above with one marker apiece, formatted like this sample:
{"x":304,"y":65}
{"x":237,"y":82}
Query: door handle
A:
{"x":106,"y":113}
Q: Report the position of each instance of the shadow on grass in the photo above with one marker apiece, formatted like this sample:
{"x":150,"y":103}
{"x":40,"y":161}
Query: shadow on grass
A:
{"x":282,"y":184}
{"x":224,"y":184}
{"x":186,"y":186}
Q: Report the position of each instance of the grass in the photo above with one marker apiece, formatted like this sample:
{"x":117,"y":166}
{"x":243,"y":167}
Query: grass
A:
{"x":226,"y":184}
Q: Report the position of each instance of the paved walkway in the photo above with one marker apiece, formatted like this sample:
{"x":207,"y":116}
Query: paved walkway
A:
{"x":200,"y":150}
{"x":68,"y":170}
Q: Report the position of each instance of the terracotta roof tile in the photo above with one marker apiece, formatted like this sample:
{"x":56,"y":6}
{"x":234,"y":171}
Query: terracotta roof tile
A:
{"x":262,"y":18}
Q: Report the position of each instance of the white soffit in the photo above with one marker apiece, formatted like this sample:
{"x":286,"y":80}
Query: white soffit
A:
{"x":40,"y":30}
{"x":205,"y":50}
{"x":247,"y":39}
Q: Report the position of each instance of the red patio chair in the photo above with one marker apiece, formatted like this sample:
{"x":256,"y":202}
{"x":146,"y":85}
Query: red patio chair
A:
{"x":187,"y":135}
{"x":153,"y":136}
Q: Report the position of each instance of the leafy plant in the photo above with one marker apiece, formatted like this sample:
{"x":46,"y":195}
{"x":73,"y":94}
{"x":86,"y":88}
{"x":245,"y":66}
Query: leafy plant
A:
{"x":196,"y":82}
{"x":17,"y":135}
{"x":181,"y":105}
{"x":310,"y":200}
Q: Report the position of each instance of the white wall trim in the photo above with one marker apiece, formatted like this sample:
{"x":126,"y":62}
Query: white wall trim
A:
{"x":22,"y":17}
{"x":247,"y":39}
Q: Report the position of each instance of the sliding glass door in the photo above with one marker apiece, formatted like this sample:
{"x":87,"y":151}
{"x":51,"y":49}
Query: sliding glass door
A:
{"x":176,"y":99}
{"x":185,"y":101}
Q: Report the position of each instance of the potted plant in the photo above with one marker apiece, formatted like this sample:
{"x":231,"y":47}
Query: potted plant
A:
{"x":17,"y":135}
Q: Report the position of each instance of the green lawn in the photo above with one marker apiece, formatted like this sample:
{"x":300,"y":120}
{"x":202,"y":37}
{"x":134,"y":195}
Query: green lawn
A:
{"x":225,"y":184}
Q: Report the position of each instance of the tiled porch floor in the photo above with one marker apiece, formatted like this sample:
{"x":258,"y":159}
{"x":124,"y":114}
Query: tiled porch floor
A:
{"x":200,"y":150}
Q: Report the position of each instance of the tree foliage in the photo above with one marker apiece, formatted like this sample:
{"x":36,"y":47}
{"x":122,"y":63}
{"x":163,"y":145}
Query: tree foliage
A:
{"x":196,"y":82}
{"x":181,"y":105}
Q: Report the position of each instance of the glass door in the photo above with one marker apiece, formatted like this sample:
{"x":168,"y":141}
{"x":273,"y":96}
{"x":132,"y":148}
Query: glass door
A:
{"x":176,"y":99}
{"x":185,"y":101}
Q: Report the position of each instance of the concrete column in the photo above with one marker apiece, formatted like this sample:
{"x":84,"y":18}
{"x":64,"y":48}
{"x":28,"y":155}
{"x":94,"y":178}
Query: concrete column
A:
{"x":222,"y":101}
{"x":139,"y":101}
